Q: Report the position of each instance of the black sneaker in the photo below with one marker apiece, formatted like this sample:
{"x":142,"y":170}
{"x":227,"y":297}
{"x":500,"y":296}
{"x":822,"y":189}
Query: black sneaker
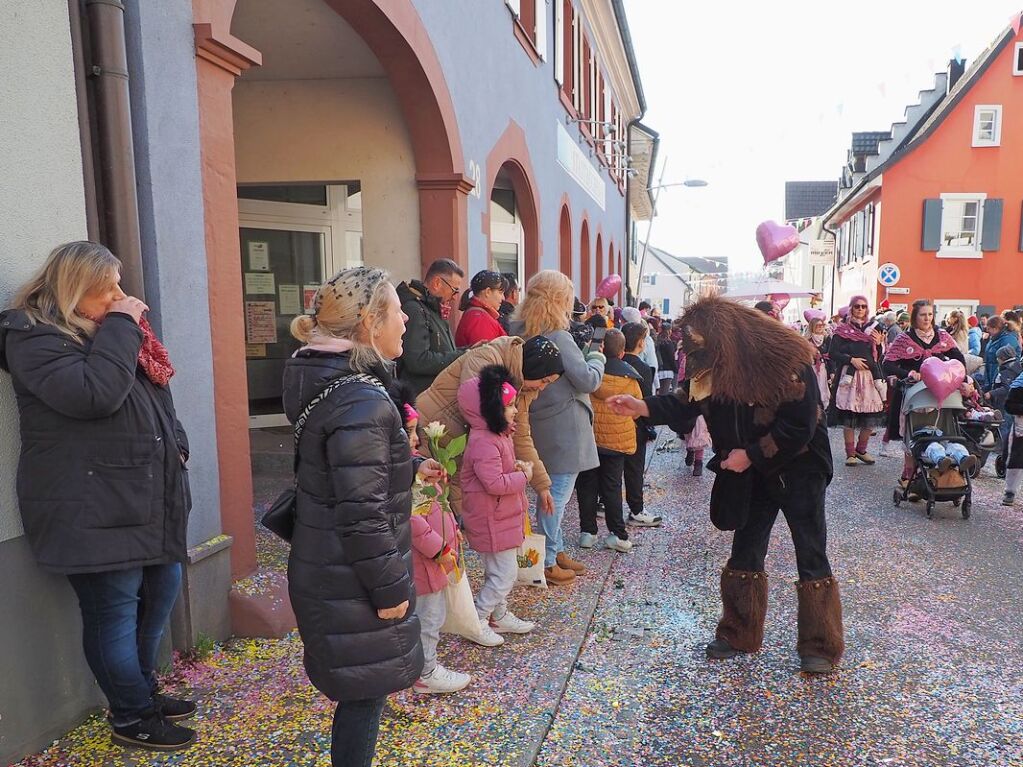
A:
{"x":156,"y":733}
{"x":1009,"y":499}
{"x":173,"y":709}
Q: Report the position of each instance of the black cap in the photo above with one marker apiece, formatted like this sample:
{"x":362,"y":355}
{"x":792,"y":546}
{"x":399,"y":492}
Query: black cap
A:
{"x":541,"y":358}
{"x":579,"y":308}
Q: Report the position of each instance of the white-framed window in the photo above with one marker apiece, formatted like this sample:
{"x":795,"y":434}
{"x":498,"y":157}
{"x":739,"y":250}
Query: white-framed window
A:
{"x":961,"y":225}
{"x":987,"y":125}
{"x":649,"y":279}
{"x":1017,"y":60}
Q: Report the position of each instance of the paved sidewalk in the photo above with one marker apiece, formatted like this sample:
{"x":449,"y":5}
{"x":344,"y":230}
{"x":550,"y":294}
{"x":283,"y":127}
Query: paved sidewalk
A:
{"x":932,"y":674}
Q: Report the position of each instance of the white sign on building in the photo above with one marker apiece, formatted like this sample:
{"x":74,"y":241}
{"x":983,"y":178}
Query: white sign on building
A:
{"x":822,"y":252}
{"x":579,"y":167}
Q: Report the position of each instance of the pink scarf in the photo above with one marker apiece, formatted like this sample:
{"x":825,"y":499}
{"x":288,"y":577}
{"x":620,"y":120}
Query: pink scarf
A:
{"x":906,"y":347}
{"x":153,"y":357}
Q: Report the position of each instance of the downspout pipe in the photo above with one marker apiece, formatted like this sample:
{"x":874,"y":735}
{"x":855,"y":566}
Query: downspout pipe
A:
{"x":834,"y":265}
{"x":107,"y":69}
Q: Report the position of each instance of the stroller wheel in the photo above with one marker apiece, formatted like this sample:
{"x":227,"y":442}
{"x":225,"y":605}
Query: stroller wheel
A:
{"x":896,"y":497}
{"x":967,"y":504}
{"x":956,"y":503}
{"x":930,"y":509}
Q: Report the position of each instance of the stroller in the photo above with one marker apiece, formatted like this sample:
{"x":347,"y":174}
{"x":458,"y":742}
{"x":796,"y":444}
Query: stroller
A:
{"x":925,"y":417}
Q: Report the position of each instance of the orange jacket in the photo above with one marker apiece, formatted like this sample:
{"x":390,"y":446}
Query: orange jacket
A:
{"x":615,"y":433}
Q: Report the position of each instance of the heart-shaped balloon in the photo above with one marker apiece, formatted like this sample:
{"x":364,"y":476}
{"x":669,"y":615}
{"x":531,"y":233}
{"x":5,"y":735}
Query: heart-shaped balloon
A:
{"x":775,"y":240}
{"x":609,"y":286}
{"x":942,"y":377}
{"x":780,"y":300}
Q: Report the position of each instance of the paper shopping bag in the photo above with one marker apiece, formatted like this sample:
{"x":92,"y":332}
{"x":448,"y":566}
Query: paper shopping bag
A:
{"x":461,"y":618}
{"x":530,"y":557}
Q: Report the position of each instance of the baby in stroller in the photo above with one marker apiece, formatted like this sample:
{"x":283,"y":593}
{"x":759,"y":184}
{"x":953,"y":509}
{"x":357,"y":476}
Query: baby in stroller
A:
{"x":944,"y":455}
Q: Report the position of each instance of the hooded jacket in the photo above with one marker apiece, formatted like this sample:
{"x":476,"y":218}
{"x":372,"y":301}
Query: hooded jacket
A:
{"x":615,"y":433}
{"x":440,"y":403}
{"x":428,"y":346}
{"x":101,"y":482}
{"x":1003,"y":339}
{"x":493,"y":490}
{"x":478,"y":323}
{"x":433,"y":530}
{"x":351,"y":550}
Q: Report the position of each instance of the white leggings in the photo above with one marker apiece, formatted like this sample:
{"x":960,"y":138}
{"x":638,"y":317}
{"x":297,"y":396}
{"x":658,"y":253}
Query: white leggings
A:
{"x":501,"y":569}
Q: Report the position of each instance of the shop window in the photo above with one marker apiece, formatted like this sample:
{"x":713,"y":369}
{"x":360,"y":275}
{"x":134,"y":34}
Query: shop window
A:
{"x":507,"y":236}
{"x":987,"y":126}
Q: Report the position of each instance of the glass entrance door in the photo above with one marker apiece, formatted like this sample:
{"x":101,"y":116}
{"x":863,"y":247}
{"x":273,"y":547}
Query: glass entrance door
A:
{"x":282,"y":266}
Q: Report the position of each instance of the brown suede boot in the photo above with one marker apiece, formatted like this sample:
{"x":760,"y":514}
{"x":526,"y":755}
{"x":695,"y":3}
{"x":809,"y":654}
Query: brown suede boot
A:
{"x":743,"y":610}
{"x":558,"y":576}
{"x":566,"y":562}
{"x":821,"y":637}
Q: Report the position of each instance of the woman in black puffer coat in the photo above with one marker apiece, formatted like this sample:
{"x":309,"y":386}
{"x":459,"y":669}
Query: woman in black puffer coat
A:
{"x":350,"y":570}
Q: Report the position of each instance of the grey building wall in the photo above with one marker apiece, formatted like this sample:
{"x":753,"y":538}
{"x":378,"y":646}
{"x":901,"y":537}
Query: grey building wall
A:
{"x":44,"y":683}
{"x":491,"y":80}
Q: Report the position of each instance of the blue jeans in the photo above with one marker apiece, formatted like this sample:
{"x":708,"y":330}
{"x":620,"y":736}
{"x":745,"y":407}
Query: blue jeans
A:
{"x":124,"y":613}
{"x":353,"y":738}
{"x":550,"y":524}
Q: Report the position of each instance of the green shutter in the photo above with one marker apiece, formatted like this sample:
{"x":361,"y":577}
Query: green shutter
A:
{"x":931,"y":236}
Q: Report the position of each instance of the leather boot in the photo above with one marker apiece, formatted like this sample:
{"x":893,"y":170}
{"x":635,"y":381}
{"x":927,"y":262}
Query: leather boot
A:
{"x":743,"y":610}
{"x":558,"y":575}
{"x":821,"y":637}
{"x":566,"y":562}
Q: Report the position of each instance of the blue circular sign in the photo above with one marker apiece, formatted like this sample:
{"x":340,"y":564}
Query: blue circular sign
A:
{"x":888,"y":275}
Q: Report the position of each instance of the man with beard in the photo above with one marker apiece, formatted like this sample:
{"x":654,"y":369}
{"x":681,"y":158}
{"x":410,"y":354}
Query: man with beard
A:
{"x":752,"y":379}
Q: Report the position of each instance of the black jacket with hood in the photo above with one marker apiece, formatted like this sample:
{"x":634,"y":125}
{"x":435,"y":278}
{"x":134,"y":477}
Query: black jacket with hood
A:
{"x":101,"y":481}
{"x":428,"y":344}
{"x":351,"y":550}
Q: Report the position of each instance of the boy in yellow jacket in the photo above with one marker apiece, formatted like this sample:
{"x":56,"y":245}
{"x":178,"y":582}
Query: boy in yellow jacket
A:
{"x":616,"y":439}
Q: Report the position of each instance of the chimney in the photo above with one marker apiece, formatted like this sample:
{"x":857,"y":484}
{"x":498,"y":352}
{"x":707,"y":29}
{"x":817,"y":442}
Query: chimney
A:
{"x":955,"y":71}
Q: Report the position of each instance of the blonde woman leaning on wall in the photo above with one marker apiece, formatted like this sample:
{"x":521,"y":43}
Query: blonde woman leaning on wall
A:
{"x":102,"y":484}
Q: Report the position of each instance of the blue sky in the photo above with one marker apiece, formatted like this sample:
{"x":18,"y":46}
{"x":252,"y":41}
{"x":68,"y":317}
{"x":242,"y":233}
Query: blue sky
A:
{"x":749,"y":95}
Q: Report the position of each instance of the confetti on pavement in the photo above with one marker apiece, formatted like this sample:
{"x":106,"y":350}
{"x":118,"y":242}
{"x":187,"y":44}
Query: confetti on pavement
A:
{"x":932,"y":674}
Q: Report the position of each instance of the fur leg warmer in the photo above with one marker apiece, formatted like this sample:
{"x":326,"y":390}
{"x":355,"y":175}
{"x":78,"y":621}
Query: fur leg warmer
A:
{"x":820,"y":620}
{"x":743,"y":609}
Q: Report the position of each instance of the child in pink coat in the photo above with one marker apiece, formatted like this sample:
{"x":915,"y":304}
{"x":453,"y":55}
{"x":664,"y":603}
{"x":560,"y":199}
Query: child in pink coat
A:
{"x":494,"y":495}
{"x":435,"y":545}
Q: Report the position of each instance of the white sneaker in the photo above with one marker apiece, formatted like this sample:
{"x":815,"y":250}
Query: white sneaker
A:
{"x":644,"y":520}
{"x":511,"y":624}
{"x":617,"y":544}
{"x":487,"y":636}
{"x":587,"y":540}
{"x":441,"y":681}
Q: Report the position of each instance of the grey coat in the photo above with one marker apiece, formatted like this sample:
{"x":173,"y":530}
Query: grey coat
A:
{"x":561,"y":418}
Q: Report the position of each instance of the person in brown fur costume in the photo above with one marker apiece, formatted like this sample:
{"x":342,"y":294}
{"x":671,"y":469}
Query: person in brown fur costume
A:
{"x":753,"y":381}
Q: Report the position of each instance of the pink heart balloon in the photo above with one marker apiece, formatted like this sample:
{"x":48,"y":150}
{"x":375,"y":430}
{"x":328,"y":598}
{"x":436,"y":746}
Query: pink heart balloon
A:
{"x":942,"y":377}
{"x":775,"y":240}
{"x":780,"y":300}
{"x":609,"y":286}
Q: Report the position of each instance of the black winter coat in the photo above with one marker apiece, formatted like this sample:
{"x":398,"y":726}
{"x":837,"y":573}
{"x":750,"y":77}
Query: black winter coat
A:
{"x":101,"y":481}
{"x":428,"y":345}
{"x":351,"y":550}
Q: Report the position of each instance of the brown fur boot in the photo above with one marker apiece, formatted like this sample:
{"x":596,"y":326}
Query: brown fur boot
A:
{"x":743,"y":609}
{"x":820,"y":624}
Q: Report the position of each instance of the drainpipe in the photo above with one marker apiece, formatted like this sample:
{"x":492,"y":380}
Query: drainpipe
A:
{"x":84,"y":125}
{"x":834,"y":267}
{"x":107,"y":67}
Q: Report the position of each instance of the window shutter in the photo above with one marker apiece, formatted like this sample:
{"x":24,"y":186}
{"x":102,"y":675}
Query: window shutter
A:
{"x":930,"y":239}
{"x":541,"y":27}
{"x":991,"y":233}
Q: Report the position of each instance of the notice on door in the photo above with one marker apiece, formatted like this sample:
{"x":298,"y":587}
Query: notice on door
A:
{"x":290,"y":298}
{"x":309,"y":296}
{"x":260,"y":322}
{"x":259,"y":256}
{"x":259,"y":284}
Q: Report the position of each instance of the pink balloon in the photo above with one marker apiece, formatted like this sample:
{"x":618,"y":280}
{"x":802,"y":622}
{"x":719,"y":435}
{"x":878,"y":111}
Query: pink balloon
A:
{"x":609,"y":286}
{"x":780,"y":300}
{"x":775,"y":240}
{"x":942,"y":377}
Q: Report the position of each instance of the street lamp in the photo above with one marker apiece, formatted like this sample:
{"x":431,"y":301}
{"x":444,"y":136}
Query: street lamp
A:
{"x":690,"y":182}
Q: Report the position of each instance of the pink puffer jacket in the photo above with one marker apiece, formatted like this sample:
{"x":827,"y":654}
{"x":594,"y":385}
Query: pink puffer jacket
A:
{"x":493,"y":491}
{"x":430,"y":533}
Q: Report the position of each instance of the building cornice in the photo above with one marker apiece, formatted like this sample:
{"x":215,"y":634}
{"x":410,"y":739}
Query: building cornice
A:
{"x":606,"y":37}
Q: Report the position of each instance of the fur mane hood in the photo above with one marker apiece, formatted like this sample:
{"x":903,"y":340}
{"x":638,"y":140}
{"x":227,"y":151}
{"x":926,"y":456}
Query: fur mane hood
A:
{"x":751,"y":358}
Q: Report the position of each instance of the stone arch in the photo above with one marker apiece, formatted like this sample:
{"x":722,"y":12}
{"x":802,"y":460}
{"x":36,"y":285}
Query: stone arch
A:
{"x":565,"y":242}
{"x":598,"y":251}
{"x":585,"y":259}
{"x":511,"y":155}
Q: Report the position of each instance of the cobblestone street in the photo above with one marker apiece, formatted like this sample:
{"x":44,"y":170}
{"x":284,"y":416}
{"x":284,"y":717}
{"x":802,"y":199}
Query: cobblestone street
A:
{"x":615,"y":673}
